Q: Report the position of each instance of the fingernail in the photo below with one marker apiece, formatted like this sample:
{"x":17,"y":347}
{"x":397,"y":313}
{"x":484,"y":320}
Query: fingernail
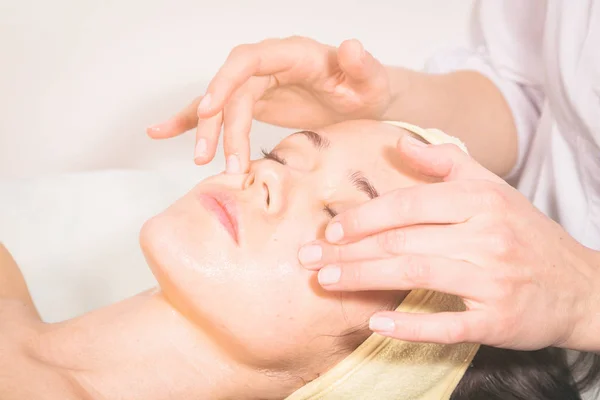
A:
{"x":329,"y":275}
{"x":233,"y":164}
{"x":201,"y":147}
{"x":204,"y":104}
{"x":154,"y":128}
{"x":382,"y":324}
{"x":157,"y":129}
{"x":310,"y":254}
{"x":414,"y":141}
{"x":334,"y":232}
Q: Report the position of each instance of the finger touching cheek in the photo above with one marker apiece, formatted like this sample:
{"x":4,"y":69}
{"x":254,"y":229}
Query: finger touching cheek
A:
{"x":407,"y":272}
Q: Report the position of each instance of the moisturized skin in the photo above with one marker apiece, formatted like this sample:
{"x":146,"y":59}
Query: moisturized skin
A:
{"x":236,"y":315}
{"x":254,"y":295}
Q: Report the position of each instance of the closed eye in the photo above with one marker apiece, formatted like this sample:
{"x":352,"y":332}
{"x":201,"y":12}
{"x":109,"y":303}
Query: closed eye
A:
{"x":329,"y":211}
{"x":273,"y":156}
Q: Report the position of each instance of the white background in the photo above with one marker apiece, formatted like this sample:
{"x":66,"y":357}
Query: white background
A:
{"x":81,"y":79}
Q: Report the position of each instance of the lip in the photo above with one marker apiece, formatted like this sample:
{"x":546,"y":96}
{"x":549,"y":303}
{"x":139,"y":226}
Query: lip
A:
{"x":223,"y":206}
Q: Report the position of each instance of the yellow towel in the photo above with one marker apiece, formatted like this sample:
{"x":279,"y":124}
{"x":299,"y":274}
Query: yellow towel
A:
{"x":382,"y":368}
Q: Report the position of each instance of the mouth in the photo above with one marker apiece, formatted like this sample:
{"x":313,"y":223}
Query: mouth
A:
{"x":224,"y":208}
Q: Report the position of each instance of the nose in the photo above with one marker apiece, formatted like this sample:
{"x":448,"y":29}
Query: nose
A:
{"x":268,"y":184}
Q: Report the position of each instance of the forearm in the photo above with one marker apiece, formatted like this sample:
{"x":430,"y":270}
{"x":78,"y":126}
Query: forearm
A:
{"x":464,"y":104}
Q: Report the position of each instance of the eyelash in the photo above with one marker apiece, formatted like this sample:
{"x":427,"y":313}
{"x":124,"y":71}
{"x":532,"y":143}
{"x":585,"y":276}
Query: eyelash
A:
{"x":329,"y":211}
{"x":271,"y":155}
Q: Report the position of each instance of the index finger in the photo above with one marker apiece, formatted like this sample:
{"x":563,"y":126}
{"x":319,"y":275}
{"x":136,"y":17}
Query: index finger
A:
{"x":268,"y":57}
{"x":434,"y":203}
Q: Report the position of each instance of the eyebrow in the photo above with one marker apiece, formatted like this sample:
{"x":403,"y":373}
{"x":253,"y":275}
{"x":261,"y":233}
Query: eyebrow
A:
{"x":317,"y":140}
{"x":360,"y":181}
{"x":357,"y":178}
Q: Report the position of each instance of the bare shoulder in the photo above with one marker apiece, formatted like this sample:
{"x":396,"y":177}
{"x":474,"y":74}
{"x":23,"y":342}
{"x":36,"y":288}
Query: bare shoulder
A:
{"x":12,"y":283}
{"x":22,"y":376}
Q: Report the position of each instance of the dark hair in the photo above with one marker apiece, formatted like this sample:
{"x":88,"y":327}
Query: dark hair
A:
{"x":503,"y":374}
{"x":546,"y":374}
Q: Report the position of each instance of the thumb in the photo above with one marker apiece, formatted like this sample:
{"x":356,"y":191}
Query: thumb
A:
{"x":445,"y":161}
{"x":358,"y":64}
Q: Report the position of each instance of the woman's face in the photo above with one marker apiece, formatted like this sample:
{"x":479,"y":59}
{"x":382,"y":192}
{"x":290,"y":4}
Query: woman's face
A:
{"x":225,"y":254}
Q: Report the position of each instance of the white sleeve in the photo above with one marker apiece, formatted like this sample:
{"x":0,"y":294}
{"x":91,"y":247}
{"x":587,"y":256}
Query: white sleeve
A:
{"x":506,"y":45}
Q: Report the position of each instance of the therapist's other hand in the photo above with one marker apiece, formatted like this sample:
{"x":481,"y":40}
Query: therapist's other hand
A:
{"x":525,"y":282}
{"x":294,"y":82}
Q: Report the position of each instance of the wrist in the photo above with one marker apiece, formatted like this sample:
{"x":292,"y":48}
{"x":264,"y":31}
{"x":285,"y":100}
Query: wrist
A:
{"x":400,"y":83}
{"x":585,"y":334}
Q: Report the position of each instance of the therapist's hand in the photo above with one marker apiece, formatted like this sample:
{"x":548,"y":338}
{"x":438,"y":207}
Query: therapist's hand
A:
{"x":525,"y":282}
{"x":294,"y":82}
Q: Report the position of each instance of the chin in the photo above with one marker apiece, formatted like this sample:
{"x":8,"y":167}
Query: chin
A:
{"x":185,"y":253}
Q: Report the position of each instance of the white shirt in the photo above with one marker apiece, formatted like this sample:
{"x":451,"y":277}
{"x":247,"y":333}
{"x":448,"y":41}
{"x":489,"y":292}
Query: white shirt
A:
{"x":544,"y":55}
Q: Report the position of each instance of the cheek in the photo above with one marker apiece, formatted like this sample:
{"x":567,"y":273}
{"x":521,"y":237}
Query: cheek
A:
{"x":183,"y":250}
{"x":254,"y":299}
{"x":257,"y":301}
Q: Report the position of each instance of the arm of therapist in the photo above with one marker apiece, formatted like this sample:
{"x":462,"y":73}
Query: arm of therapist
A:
{"x":525,"y":282}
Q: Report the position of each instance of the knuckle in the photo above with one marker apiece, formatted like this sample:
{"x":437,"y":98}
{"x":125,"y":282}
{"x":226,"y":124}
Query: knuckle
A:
{"x":494,"y":197}
{"x":270,"y":41}
{"x":452,"y":150}
{"x":450,"y":154}
{"x":402,"y":206}
{"x":296,"y":39}
{"x":352,"y":276}
{"x":500,"y":290}
{"x":353,"y":220}
{"x":414,"y":331}
{"x":391,"y":241}
{"x":507,"y":281}
{"x":456,"y":331}
{"x":416,"y":270}
{"x":240,"y":50}
{"x":502,"y":241}
{"x":471,"y":189}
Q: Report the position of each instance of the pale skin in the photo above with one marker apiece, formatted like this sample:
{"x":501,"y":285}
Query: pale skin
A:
{"x":231,"y":318}
{"x":471,"y":235}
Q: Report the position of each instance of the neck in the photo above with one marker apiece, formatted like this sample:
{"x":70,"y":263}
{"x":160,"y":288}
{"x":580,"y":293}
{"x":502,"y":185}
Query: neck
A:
{"x":142,"y":348}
